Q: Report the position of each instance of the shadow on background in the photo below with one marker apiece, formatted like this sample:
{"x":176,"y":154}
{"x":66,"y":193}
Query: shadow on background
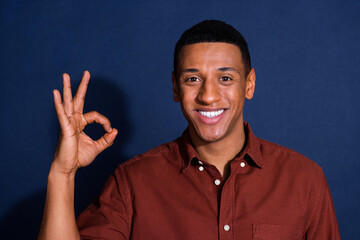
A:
{"x":24,"y":219}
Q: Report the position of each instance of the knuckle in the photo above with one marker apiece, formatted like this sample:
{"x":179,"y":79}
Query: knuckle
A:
{"x":106,"y":143}
{"x":96,"y":114}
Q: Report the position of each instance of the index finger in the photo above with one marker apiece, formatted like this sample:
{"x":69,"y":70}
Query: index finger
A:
{"x":79,"y":98}
{"x":94,"y":116}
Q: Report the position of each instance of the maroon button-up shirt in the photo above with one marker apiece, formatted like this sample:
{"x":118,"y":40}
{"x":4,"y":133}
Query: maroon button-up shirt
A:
{"x":169,"y":193}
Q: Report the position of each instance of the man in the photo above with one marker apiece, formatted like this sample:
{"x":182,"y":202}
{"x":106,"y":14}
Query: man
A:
{"x":217,"y":181}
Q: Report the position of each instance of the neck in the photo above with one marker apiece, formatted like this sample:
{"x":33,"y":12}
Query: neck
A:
{"x":219,"y":153}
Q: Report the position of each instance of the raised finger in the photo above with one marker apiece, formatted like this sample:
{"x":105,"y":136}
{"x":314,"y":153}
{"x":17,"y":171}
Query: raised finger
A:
{"x":67,"y":95}
{"x":79,"y":98}
{"x":94,"y":116}
{"x":60,"y":111}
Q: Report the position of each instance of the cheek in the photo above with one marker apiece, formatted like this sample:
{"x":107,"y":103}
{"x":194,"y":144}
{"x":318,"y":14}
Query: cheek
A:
{"x":186,"y":104}
{"x":235,"y":96}
{"x":187,"y":97}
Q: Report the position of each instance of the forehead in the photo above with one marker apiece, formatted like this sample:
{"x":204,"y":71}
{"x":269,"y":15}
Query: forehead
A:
{"x":210,"y":54}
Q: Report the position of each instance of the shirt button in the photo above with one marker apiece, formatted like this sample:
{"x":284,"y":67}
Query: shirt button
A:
{"x":242,"y":164}
{"x":226,"y":227}
{"x":217,"y":182}
{"x":201,"y":168}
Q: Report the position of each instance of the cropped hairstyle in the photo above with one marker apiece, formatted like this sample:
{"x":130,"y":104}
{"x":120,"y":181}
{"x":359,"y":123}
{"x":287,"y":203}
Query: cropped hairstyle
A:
{"x":213,"y":31}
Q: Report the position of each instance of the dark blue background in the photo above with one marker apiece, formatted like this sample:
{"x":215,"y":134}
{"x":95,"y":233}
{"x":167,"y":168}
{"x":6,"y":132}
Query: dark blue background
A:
{"x":306,"y":57}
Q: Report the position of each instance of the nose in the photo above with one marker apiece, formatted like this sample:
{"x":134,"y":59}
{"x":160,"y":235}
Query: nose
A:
{"x":209,"y":92}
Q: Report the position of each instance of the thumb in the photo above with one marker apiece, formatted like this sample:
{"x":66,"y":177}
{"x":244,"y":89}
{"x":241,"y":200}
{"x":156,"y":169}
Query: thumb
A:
{"x":106,"y":140}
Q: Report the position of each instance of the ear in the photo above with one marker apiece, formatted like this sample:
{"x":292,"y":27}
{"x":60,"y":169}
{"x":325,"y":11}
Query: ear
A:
{"x":175,"y":88}
{"x":250,"y":84}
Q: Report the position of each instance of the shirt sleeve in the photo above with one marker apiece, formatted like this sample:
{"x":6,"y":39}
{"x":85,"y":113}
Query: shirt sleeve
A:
{"x":323,"y":224}
{"x":109,"y":216}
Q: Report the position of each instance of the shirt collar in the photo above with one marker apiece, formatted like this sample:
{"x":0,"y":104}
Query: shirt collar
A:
{"x":252,"y":150}
{"x":252,"y":147}
{"x":187,"y":150}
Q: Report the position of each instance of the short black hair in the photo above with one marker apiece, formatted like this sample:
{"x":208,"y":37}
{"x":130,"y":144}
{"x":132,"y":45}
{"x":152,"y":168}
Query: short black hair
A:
{"x":213,"y":31}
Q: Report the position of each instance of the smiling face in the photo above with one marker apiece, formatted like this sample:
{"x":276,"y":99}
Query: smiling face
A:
{"x":211,"y":86}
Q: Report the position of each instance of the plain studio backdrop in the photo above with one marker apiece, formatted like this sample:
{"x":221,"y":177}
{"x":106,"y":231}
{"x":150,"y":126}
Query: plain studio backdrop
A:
{"x":305,"y":53}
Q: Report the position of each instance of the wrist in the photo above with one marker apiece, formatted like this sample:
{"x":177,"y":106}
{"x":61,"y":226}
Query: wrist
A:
{"x":58,"y":173}
{"x":60,"y":187}
{"x":61,"y":181}
{"x":59,"y":168}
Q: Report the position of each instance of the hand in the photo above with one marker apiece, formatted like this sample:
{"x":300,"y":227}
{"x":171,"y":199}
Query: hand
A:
{"x":76,"y":149}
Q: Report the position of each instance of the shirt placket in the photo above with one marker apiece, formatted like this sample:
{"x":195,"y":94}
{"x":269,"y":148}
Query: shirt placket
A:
{"x":218,"y":182}
{"x":227,"y":201}
{"x":225,"y":193}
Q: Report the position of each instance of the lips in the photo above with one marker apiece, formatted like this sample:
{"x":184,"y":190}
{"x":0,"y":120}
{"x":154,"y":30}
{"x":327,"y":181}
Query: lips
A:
{"x":210,"y":116}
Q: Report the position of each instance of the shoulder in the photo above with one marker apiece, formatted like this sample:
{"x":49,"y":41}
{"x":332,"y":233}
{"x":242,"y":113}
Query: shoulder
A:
{"x":165,"y":155}
{"x":277,"y":156}
{"x":293,"y":171}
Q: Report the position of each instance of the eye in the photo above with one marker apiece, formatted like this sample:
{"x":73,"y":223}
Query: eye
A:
{"x":192,"y":79}
{"x":225,"y":79}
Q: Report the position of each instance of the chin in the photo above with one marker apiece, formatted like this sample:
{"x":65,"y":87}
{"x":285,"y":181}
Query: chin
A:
{"x":210,"y":136}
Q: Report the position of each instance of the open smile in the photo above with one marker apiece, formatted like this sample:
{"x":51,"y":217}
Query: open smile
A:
{"x":210,"y":117}
{"x":211,"y":114}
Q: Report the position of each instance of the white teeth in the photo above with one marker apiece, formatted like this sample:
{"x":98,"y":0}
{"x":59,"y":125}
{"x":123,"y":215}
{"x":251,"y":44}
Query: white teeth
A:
{"x":211,"y":114}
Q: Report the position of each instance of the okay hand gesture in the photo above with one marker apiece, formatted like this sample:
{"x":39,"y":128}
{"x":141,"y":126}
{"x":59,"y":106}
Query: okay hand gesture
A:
{"x":76,"y":149}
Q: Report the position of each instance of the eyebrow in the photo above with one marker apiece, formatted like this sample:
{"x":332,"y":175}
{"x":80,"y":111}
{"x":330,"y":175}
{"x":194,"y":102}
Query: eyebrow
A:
{"x":225,"y":69}
{"x":222,"y":69}
{"x":190,"y":70}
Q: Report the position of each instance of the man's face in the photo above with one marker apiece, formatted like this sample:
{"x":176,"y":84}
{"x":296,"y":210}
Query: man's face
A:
{"x":211,"y":86}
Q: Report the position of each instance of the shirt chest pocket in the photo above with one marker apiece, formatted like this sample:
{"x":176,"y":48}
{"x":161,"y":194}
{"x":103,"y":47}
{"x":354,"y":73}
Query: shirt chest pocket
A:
{"x":277,"y":232}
